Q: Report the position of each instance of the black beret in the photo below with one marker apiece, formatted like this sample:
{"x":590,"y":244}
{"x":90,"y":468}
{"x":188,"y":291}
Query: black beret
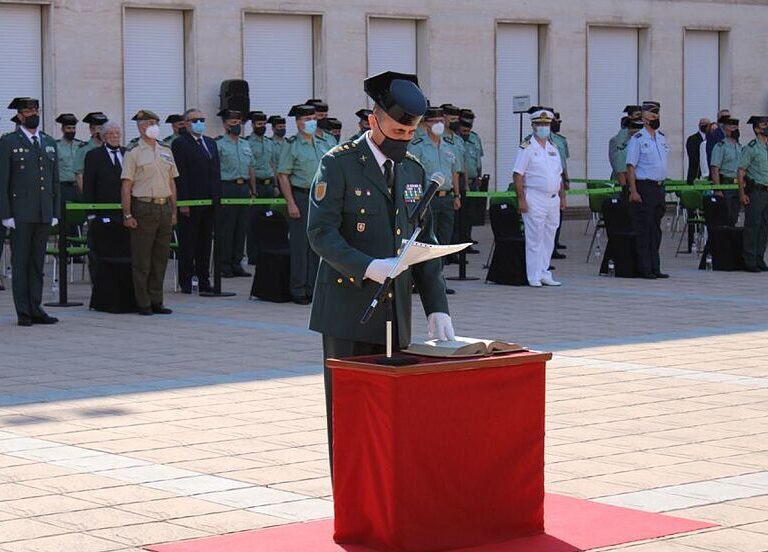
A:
{"x":399,"y":95}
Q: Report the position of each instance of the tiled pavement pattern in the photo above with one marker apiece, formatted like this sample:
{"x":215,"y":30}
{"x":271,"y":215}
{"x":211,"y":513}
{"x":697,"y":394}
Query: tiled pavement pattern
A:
{"x":121,"y":431}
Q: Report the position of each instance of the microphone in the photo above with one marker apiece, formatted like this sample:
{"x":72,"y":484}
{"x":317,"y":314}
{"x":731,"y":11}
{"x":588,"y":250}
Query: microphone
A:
{"x":435,"y":181}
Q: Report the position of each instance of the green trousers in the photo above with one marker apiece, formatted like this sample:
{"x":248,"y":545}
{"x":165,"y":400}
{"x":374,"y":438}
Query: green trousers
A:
{"x":150,"y":248}
{"x":756,"y":227}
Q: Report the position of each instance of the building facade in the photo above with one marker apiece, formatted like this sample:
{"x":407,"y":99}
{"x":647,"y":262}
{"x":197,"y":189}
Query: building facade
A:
{"x":588,"y":59}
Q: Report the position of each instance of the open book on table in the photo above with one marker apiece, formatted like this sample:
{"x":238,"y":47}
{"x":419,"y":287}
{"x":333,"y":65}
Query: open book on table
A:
{"x":462,"y":347}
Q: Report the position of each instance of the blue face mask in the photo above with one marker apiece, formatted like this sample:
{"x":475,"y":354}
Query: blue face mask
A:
{"x":310,"y":127}
{"x":543,"y":132}
{"x":198,"y":127}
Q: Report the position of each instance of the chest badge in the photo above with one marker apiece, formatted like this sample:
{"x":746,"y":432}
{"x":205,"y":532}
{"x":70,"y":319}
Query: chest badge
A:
{"x":358,"y":192}
{"x":361,"y":227}
{"x":412,"y":193}
{"x":320,"y":189}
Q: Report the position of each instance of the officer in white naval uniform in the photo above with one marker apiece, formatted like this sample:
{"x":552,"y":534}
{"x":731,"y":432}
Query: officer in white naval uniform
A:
{"x":538,"y":178}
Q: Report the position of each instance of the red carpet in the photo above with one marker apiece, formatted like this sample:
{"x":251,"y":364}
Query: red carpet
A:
{"x":572,"y":525}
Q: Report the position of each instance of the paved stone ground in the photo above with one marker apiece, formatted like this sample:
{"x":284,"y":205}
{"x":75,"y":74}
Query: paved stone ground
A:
{"x":121,"y":431}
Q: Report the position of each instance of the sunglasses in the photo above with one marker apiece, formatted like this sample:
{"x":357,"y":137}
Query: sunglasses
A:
{"x":198,"y":120}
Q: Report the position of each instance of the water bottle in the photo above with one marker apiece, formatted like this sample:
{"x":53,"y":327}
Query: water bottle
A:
{"x":195,"y":285}
{"x":597,"y":251}
{"x":709,"y":263}
{"x":694,"y":248}
{"x":8,"y":273}
{"x":55,"y":287}
{"x":611,"y":268}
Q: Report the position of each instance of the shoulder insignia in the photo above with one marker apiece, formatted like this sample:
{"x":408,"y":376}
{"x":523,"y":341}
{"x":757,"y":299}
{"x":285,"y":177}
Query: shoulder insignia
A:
{"x":163,"y":145}
{"x":662,"y":134}
{"x":448,"y":139}
{"x":291,"y":139}
{"x":344,"y":147}
{"x":219,"y":137}
{"x":83,"y":145}
{"x":524,"y":144}
{"x":409,"y":155}
{"x":636,"y":135}
{"x":417,"y":141}
{"x":752,"y":143}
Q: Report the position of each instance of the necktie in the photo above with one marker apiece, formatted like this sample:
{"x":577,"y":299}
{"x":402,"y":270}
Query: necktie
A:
{"x":35,"y":142}
{"x":116,"y":159}
{"x":202,"y":145}
{"x":389,"y":174}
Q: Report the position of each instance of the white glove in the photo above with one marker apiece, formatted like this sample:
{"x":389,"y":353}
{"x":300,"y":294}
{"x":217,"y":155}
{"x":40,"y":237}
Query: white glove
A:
{"x":10,"y":223}
{"x":54,"y":221}
{"x":440,"y":327}
{"x":379,"y":269}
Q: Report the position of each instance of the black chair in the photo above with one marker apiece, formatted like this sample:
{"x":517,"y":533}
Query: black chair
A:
{"x":621,"y":239}
{"x":724,"y":242}
{"x":109,"y":243}
{"x":271,"y":279}
{"x":507,"y":264}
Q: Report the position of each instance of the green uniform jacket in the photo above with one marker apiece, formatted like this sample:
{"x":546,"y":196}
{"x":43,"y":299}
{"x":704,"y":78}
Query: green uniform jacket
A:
{"x":617,"y":152}
{"x":725,"y":156}
{"x":754,"y":159}
{"x":473,"y":154}
{"x":354,"y":220}
{"x":263,"y":150}
{"x":83,"y":149}
{"x":29,"y":182}
{"x":561,"y":143}
{"x":67,"y":151}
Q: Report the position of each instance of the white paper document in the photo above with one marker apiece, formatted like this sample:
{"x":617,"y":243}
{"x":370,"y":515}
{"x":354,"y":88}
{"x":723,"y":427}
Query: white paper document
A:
{"x":420,"y":252}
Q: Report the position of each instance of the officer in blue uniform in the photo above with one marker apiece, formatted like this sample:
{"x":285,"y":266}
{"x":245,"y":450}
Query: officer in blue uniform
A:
{"x":358,"y":216}
{"x":647,"y":154}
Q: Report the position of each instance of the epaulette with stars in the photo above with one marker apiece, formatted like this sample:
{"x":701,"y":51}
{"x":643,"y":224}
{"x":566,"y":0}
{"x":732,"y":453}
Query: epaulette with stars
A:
{"x":291,"y":139}
{"x":409,"y":155}
{"x":344,"y":148}
{"x":83,"y":145}
{"x":525,"y":143}
{"x":417,"y":141}
{"x":664,"y":135}
{"x":752,"y":143}
{"x":448,"y":139}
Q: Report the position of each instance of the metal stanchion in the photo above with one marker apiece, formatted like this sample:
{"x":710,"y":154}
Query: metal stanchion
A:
{"x":462,"y":277}
{"x":62,"y":259}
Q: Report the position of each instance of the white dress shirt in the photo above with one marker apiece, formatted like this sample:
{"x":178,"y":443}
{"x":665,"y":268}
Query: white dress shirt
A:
{"x":540,"y":166}
{"x":377,"y":154}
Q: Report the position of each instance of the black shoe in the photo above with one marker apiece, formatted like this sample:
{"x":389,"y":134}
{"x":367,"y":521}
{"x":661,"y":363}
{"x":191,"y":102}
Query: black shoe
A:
{"x":2,"y":287}
{"x":472,"y":251}
{"x":661,"y":275}
{"x":25,"y":321}
{"x":207,"y":288}
{"x":752,"y":269}
{"x":160,"y":309}
{"x":145,"y":311}
{"x":550,"y":267}
{"x":449,"y":291}
{"x":227,"y":274}
{"x":763,"y":267}
{"x":302,"y":300}
{"x":475,"y":242}
{"x":560,"y":246}
{"x":44,"y":320}
{"x":650,"y":276}
{"x":558,"y":255}
{"x":240,"y":273}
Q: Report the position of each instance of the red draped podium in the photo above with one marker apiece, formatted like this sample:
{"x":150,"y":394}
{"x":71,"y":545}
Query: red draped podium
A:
{"x":440,"y":454}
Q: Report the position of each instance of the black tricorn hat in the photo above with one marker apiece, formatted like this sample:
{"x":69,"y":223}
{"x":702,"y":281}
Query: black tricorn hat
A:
{"x":399,"y":95}
{"x":95,"y":118}
{"x":66,"y":119}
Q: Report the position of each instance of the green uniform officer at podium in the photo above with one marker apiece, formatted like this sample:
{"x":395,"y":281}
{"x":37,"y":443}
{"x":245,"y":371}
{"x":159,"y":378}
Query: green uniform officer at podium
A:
{"x":358,"y":217}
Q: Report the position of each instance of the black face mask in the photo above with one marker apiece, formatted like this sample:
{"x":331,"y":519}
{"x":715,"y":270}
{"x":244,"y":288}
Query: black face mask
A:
{"x":394,"y":149}
{"x":465,"y":137}
{"x":113,"y":148}
{"x":736,"y":134}
{"x":32,"y":122}
{"x":259,"y":131}
{"x":555,"y":126}
{"x":69,"y":136}
{"x":454,"y":126}
{"x":724,"y":119}
{"x":183,"y":130}
{"x":235,"y":129}
{"x":279,"y":132}
{"x":655,"y":124}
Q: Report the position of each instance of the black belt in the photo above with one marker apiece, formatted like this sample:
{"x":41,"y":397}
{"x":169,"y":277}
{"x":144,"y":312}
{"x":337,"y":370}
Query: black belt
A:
{"x":654,"y":182}
{"x":68,"y":183}
{"x":264,"y":181}
{"x":296,"y":189}
{"x":238,"y":181}
{"x":728,"y":180}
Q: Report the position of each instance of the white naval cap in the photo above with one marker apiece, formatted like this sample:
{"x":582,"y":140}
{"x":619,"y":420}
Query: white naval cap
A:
{"x":542,"y":116}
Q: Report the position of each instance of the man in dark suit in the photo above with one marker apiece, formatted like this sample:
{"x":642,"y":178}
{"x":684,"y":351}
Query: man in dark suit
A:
{"x":693,"y":149}
{"x":29,"y":205}
{"x":103,"y":166}
{"x":197,"y":159}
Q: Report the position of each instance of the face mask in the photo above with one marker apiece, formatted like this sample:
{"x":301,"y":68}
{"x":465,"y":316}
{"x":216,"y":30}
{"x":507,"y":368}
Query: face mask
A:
{"x":32,"y":122}
{"x":735,"y":134}
{"x":765,"y":131}
{"x":555,"y":126}
{"x":454,"y":126}
{"x":279,"y":132}
{"x":183,"y":130}
{"x":543,"y":132}
{"x":394,"y":149}
{"x":438,"y":129}
{"x":464,"y":137}
{"x":69,"y":136}
{"x":655,"y":124}
{"x":152,"y":132}
{"x":198,"y":127}
{"x":723,"y":119}
{"x":235,"y":130}
{"x":259,"y":131}
{"x":310,"y":127}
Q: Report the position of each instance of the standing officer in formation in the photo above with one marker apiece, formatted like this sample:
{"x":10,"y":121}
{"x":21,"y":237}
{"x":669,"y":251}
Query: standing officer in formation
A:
{"x":538,"y":176}
{"x":278,"y":138}
{"x":67,"y":147}
{"x":438,"y":154}
{"x":179,"y":126}
{"x":561,"y":143}
{"x":473,"y":169}
{"x":646,"y":171}
{"x":321,"y":113}
{"x":618,"y":144}
{"x":724,"y":166}
{"x":363,"y":126}
{"x":263,"y":150}
{"x":149,"y":211}
{"x":332,"y":127}
{"x":299,"y":158}
{"x":358,"y":216}
{"x":238,"y":180}
{"x":197,"y":160}
{"x":753,"y":193}
{"x":29,"y":205}
{"x":94,"y":120}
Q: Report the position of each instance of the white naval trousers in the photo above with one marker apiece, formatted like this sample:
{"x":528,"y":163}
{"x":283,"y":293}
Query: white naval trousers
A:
{"x":541,"y":222}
